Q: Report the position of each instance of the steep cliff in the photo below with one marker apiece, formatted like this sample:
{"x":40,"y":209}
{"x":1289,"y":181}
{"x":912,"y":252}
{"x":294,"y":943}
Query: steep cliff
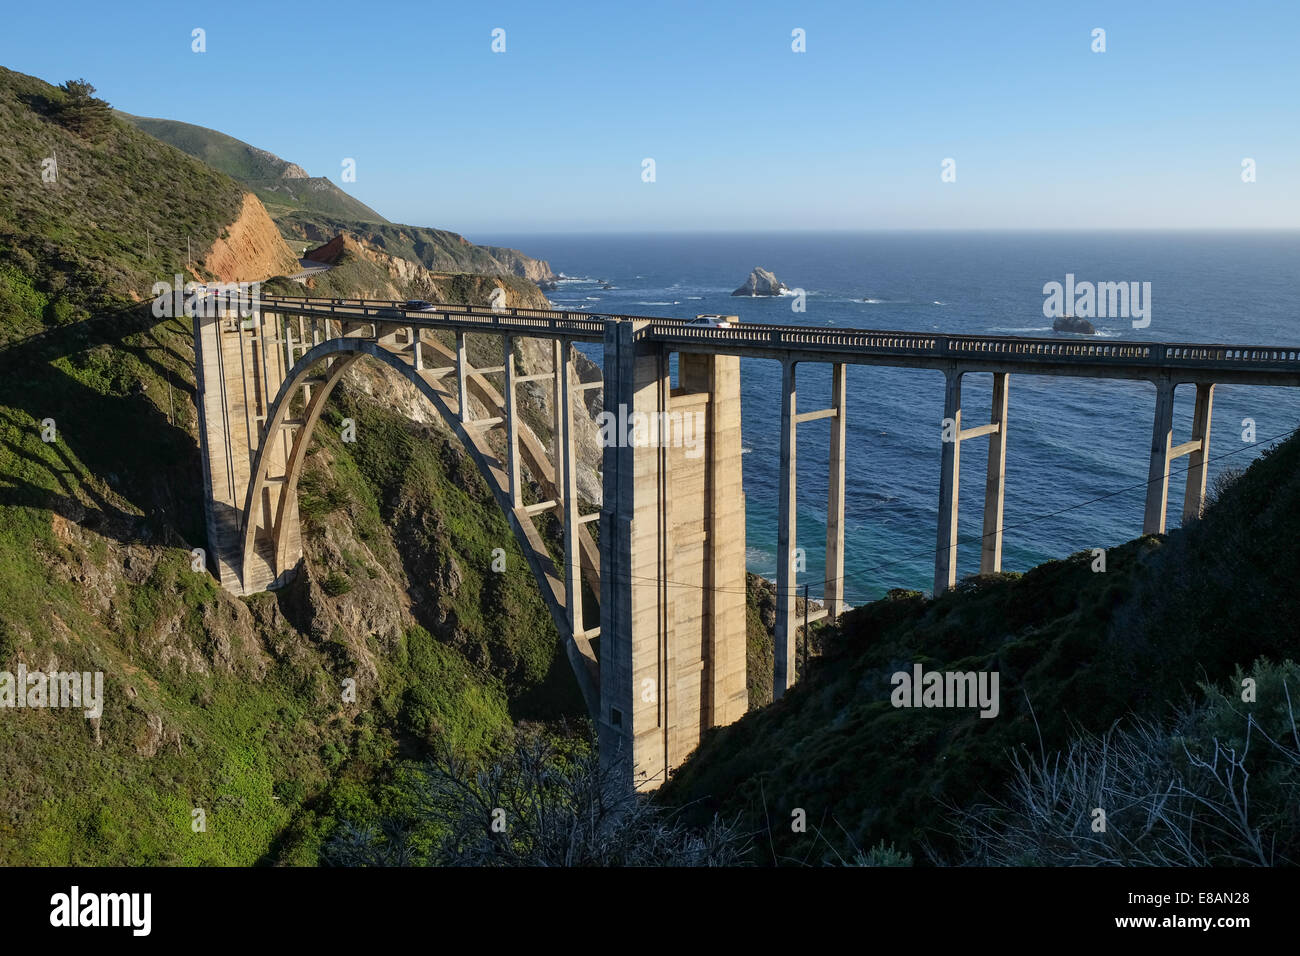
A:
{"x":250,"y":248}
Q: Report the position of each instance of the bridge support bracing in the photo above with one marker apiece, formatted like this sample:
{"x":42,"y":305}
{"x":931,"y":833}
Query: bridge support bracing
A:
{"x":995,"y":485}
{"x":952,"y":435}
{"x":786,"y":530}
{"x":1164,"y":453}
{"x":785,"y":669}
{"x":1194,"y":494}
{"x":672,"y":651}
{"x":1162,"y":433}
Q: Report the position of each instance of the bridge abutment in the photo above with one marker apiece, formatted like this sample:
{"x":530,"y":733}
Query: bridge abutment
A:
{"x":239,"y":369}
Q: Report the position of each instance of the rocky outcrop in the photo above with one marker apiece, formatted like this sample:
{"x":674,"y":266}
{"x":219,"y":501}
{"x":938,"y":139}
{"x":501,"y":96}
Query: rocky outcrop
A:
{"x":761,"y":282}
{"x":364,"y":271}
{"x":1070,"y":323}
{"x":514,"y":262}
{"x":250,"y":249}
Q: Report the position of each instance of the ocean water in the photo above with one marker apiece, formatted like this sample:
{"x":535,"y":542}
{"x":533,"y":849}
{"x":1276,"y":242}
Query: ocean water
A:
{"x":1077,"y":449}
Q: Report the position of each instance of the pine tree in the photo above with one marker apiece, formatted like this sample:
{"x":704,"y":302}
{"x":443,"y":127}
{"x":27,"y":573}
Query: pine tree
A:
{"x":81,"y":111}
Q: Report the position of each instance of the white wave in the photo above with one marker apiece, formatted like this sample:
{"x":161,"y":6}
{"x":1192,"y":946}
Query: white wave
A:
{"x":873,"y":301}
{"x":593,"y":298}
{"x":1031,"y":328}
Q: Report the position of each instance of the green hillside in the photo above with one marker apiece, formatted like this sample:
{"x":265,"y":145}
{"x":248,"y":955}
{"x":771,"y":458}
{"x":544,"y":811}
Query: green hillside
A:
{"x":282,"y":186}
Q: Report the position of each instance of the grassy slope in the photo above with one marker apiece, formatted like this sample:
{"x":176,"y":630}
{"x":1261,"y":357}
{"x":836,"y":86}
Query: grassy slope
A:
{"x":1082,"y":648}
{"x":259,"y":170}
{"x":59,"y":232}
{"x":94,"y":540}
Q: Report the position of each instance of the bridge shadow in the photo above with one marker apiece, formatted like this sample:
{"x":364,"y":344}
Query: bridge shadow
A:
{"x":117,"y":466}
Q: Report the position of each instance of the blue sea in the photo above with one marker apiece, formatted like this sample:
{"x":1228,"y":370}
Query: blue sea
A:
{"x":1072,"y":443}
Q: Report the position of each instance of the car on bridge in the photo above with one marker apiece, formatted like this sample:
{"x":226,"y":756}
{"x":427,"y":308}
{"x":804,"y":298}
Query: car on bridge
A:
{"x":419,"y":305}
{"x":714,"y":321}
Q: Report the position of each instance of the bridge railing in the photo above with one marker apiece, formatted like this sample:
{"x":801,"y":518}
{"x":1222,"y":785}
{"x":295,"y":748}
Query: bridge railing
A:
{"x":536,"y":320}
{"x":797,"y":338}
{"x":979,"y":346}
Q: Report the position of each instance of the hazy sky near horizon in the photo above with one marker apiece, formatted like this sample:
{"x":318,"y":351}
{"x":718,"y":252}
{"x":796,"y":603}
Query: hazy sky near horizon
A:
{"x":551,"y":134}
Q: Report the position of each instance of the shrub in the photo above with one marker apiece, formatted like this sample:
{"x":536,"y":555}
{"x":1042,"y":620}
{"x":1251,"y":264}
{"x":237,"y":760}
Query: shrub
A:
{"x":553,"y":805}
{"x":336,"y":584}
{"x":1216,"y":788}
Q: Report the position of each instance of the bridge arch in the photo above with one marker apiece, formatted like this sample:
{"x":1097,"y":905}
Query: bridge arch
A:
{"x":286,"y":438}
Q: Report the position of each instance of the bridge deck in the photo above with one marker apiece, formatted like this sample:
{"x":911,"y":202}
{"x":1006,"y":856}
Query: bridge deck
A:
{"x":1182,"y":361}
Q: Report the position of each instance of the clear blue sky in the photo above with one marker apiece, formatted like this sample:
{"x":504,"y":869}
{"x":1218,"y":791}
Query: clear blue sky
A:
{"x":746,"y":134}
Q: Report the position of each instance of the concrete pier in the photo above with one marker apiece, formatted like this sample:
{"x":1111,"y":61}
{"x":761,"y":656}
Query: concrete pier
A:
{"x":672,"y":561}
{"x":1194,"y":493}
{"x":995,"y":486}
{"x":952,"y":435}
{"x":1164,"y":453}
{"x":834,"y":590}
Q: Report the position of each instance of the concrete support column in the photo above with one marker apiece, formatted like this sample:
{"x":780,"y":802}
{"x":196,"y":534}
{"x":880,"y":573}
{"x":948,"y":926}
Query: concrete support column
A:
{"x":1194,"y":495}
{"x":559,"y":362}
{"x":1153,"y":521}
{"x":462,"y":371}
{"x":566,"y":445}
{"x":995,"y":486}
{"x":512,"y":424}
{"x":417,"y":354}
{"x":834,"y":593}
{"x":786,"y":626}
{"x":945,"y":549}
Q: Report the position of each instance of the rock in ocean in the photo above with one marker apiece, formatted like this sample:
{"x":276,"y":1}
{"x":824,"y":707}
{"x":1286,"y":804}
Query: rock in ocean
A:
{"x":1070,"y":323}
{"x":761,"y":282}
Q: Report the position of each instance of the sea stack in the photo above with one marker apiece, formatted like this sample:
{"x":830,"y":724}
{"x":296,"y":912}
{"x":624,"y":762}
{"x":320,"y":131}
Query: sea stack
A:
{"x":1070,"y":323}
{"x":761,"y":282}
